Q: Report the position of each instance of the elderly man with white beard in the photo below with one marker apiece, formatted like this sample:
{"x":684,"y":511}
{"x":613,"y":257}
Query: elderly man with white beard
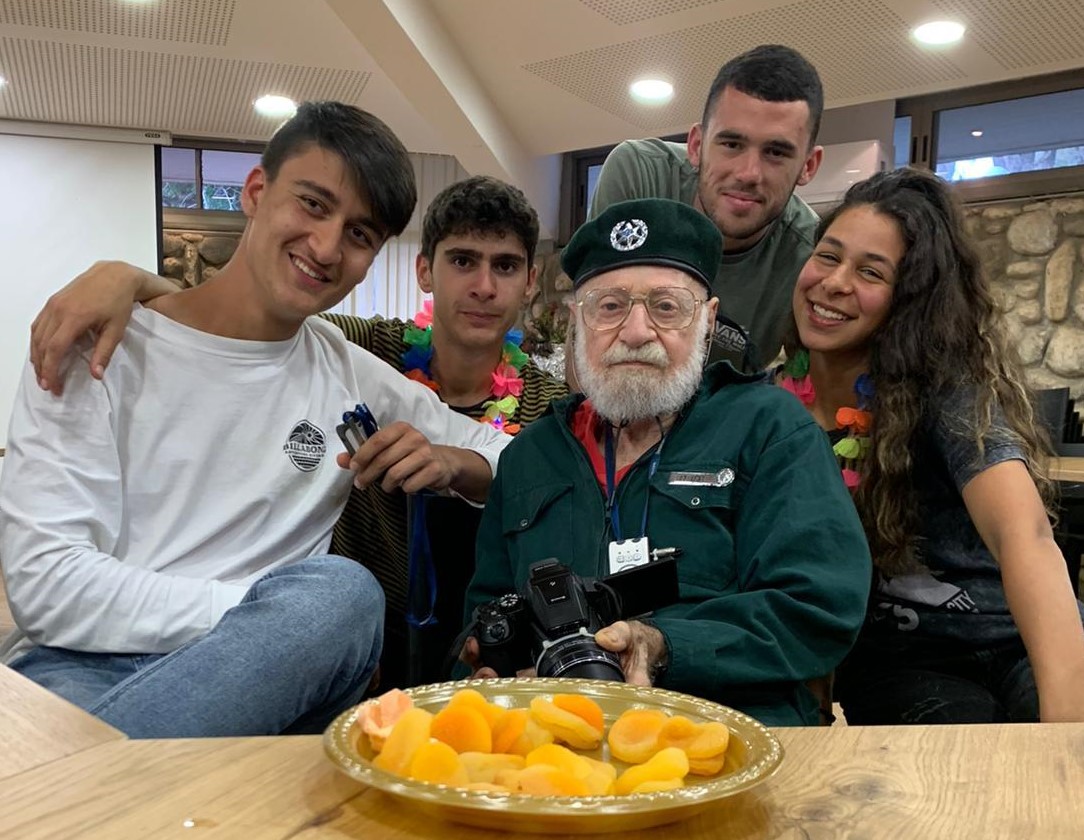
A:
{"x":662,"y":458}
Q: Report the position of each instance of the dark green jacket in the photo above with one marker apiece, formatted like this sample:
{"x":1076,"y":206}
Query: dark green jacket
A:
{"x":775,"y":570}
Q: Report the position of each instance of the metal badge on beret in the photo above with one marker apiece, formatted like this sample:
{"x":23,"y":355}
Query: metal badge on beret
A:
{"x":627,"y":236}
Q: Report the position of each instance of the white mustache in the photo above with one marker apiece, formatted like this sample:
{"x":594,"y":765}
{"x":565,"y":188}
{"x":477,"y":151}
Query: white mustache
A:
{"x":650,"y":354}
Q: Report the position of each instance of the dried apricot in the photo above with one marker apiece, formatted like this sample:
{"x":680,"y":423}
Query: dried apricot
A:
{"x":377,"y":716}
{"x":669,"y":763}
{"x":547,"y":780}
{"x":560,"y":757}
{"x":712,"y":739}
{"x":463,"y":728}
{"x":508,"y":728}
{"x":634,"y":735}
{"x":583,"y":707}
{"x":436,"y":762}
{"x":532,"y":736}
{"x":484,"y":767}
{"x":707,"y":766}
{"x":476,"y":700}
{"x":600,"y":781}
{"x":408,"y":734}
{"x":565,"y":726}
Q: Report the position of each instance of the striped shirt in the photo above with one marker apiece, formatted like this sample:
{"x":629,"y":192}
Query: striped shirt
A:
{"x":373,"y":527}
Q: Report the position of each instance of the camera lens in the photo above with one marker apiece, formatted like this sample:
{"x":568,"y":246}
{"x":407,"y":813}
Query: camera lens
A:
{"x":577,"y":655}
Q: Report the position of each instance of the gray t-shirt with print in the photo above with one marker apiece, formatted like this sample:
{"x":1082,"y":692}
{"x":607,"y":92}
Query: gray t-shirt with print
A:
{"x":960,"y":598}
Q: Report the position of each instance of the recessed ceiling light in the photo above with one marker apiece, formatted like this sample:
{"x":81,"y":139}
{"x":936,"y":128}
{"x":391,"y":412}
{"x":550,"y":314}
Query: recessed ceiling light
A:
{"x":939,"y":32}
{"x":651,"y":91}
{"x":275,"y":106}
{"x":3,"y":81}
{"x":977,"y":132}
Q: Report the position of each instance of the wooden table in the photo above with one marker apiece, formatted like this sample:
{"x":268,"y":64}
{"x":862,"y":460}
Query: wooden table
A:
{"x":37,"y":727}
{"x":1020,"y":781}
{"x":1067,"y":469}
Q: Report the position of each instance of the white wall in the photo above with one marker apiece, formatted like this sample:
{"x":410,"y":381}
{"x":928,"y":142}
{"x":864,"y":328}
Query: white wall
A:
{"x":64,"y":204}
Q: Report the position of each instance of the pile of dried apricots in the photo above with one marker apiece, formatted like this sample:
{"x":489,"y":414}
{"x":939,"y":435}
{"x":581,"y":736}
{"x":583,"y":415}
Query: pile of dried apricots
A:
{"x":478,"y":745}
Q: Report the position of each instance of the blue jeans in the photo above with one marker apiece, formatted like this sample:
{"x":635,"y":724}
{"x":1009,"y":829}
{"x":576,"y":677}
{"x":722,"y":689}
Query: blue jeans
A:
{"x":939,"y":684}
{"x":299,"y":649}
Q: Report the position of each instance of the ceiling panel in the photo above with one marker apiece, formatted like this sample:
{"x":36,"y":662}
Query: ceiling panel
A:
{"x":180,"y":21}
{"x":1018,"y":38}
{"x":879,"y":58}
{"x":624,"y":12}
{"x":184,"y":94}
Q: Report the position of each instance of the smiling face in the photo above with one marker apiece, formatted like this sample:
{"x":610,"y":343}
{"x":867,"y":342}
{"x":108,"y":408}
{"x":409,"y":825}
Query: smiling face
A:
{"x":479,"y":285}
{"x":310,"y":238}
{"x":844,"y":291}
{"x":638,"y":370}
{"x":751,"y":155}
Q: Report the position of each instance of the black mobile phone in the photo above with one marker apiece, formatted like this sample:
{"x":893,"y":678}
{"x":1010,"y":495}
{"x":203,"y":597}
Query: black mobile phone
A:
{"x":357,"y":426}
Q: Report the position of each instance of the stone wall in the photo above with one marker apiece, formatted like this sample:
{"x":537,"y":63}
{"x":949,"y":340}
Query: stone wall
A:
{"x":192,"y":256}
{"x":1033,"y":253}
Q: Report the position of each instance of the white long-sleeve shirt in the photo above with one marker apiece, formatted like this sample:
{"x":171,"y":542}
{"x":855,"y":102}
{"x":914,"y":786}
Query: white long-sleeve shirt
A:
{"x":136,"y":510}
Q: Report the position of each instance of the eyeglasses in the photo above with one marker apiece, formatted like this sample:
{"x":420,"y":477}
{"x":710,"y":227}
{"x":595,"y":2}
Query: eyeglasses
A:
{"x":668,"y":307}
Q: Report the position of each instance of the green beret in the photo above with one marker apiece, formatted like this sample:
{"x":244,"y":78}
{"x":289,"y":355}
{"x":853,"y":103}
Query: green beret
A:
{"x":645,"y":231}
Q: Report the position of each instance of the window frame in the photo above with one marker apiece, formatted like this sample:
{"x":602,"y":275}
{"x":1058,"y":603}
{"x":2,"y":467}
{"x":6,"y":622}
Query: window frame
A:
{"x":575,"y":207}
{"x":229,"y":221}
{"x":923,"y":111}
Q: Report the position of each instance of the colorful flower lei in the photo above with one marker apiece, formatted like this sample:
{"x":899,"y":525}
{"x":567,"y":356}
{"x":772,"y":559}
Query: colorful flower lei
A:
{"x":507,"y":382}
{"x":857,"y":420}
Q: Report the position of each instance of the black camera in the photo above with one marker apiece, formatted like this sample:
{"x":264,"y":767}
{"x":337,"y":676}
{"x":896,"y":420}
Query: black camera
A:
{"x":552,"y":625}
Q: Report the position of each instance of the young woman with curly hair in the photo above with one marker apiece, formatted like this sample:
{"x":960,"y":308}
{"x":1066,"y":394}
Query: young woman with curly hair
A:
{"x":900,"y":355}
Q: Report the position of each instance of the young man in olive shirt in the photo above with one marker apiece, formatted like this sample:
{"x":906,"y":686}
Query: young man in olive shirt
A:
{"x":754,"y":144}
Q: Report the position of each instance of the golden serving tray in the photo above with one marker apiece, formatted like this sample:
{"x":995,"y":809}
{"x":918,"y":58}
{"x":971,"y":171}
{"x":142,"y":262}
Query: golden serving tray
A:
{"x":753,"y":755}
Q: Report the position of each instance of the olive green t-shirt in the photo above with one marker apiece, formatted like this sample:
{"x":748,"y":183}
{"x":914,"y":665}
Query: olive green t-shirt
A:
{"x":755,"y":286}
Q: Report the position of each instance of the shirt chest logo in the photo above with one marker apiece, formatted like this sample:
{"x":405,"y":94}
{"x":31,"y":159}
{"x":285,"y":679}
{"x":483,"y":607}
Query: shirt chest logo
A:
{"x":305,"y":446}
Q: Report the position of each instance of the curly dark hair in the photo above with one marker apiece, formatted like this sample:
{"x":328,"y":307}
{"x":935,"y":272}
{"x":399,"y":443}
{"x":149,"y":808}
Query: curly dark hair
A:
{"x":942,"y":331}
{"x":773,"y":73}
{"x":483,"y":206}
{"x":377,"y":161}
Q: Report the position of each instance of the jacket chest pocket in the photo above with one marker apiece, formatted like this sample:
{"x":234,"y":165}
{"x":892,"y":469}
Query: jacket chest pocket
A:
{"x":538,"y":523}
{"x":701,"y":520}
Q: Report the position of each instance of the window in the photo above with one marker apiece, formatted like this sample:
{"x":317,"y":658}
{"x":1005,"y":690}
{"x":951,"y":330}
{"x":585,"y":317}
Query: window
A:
{"x":204,"y":182}
{"x":1000,"y":141}
{"x":224,"y":174}
{"x":179,"y":182}
{"x":584,"y":167}
{"x":1019,"y":135}
{"x":901,"y":142}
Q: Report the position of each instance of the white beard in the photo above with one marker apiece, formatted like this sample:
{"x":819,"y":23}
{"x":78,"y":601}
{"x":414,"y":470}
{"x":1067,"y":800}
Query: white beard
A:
{"x":625,"y":395}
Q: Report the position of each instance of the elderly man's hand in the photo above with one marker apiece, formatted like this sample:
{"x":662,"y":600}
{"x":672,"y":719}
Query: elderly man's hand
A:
{"x":640,"y":647}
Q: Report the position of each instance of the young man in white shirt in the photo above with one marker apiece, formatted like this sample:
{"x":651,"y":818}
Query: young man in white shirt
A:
{"x":163,"y":531}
